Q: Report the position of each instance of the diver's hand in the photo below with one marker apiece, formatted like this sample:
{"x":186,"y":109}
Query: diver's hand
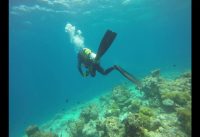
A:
{"x":86,"y":74}
{"x":95,"y":61}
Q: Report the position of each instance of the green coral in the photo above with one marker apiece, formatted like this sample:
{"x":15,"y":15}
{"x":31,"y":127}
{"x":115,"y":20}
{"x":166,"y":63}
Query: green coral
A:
{"x":110,"y":127}
{"x":76,"y":127}
{"x":168,"y":105}
{"x":112,"y":109}
{"x":121,"y":95}
{"x":112,"y":112}
{"x":180,"y":98}
{"x":89,"y":113}
{"x":137,"y":123}
{"x":146,"y":111}
{"x":183,"y":98}
{"x":184,"y":116}
{"x":135,"y":105}
{"x":132,"y":125}
{"x":150,"y":87}
{"x":113,"y":127}
{"x":89,"y":130}
{"x":114,"y":105}
{"x":178,"y":90}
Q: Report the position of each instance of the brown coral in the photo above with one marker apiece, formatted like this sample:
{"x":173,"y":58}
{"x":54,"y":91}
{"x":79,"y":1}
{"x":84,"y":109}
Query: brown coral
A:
{"x":89,"y":113}
{"x":33,"y":131}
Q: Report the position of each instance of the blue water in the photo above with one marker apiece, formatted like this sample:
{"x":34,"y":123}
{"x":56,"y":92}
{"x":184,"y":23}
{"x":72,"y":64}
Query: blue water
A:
{"x":43,"y":74}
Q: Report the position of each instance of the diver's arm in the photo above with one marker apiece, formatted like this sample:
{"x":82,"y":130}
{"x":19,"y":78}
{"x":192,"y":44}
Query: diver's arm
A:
{"x":79,"y":68}
{"x":79,"y":64}
{"x":84,"y":74}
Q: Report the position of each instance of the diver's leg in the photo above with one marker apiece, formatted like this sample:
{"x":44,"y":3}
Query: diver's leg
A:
{"x":105,"y":43}
{"x":128,"y":76}
{"x":92,"y":71}
{"x":102,"y":71}
{"x":109,"y":70}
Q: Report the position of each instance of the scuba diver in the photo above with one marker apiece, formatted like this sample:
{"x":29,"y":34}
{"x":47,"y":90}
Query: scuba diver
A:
{"x":91,"y":61}
{"x":87,"y":58}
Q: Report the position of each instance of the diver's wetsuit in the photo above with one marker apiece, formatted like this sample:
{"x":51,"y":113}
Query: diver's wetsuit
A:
{"x":91,"y":66}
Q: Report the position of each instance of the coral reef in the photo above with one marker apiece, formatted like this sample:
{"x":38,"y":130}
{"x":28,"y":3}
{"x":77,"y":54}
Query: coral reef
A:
{"x":155,"y":73}
{"x":184,"y":116}
{"x":163,"y":110}
{"x":113,"y":127}
{"x":34,"y":131}
{"x":168,"y":104}
{"x":89,"y":113}
{"x":151,"y":85}
{"x":31,"y":130}
{"x":89,"y":130}
{"x":76,"y":127}
{"x":121,"y":96}
{"x":134,"y":105}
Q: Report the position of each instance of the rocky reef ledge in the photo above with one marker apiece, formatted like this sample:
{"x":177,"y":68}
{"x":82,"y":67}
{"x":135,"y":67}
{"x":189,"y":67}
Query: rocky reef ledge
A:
{"x":160,"y":108}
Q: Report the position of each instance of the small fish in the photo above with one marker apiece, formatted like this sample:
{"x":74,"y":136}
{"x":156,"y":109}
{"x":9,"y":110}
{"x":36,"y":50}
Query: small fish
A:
{"x":66,"y":100}
{"x":174,"y":65}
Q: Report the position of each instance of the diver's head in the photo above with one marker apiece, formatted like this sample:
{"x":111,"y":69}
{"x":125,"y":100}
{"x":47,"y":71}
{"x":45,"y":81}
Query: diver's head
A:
{"x":87,"y":52}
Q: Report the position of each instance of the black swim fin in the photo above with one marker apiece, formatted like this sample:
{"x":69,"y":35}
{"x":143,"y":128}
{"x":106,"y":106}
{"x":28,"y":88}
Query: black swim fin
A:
{"x":129,"y":76}
{"x":105,"y":43}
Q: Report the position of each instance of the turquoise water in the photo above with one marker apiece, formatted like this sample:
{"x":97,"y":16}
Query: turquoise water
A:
{"x":43,"y":74}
